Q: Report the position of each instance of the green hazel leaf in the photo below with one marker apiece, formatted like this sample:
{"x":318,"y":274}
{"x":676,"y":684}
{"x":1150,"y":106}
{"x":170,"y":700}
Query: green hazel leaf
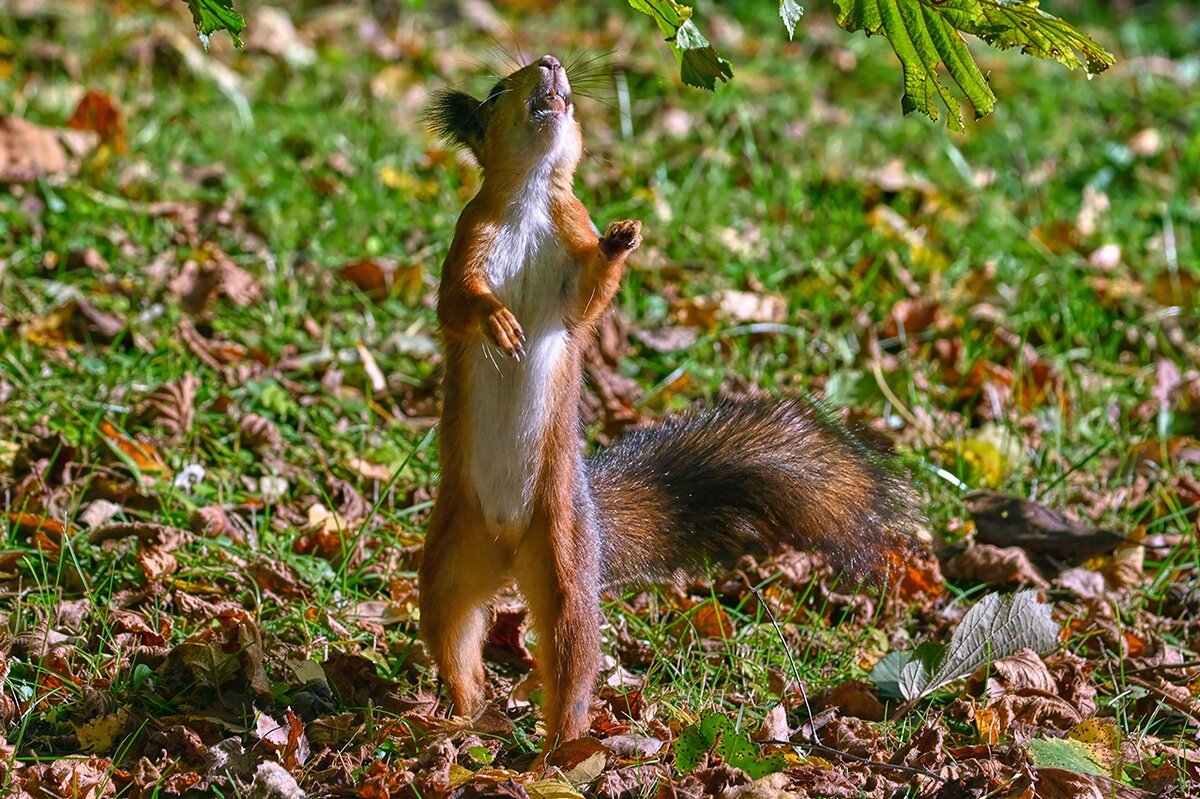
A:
{"x":736,"y":749}
{"x":688,"y":748}
{"x":211,"y":16}
{"x":712,"y":725}
{"x":1025,"y":25}
{"x":703,"y":68}
{"x":927,"y":35}
{"x":886,"y":674}
{"x":790,"y":12}
{"x":700,"y":65}
{"x":668,"y":14}
{"x":763,"y":766}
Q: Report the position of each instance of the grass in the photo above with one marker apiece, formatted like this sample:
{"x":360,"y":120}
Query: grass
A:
{"x":778,"y":183}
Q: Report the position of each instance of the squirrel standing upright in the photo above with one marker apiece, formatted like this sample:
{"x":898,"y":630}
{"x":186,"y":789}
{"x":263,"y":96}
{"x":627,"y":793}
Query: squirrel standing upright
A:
{"x":523,"y":286}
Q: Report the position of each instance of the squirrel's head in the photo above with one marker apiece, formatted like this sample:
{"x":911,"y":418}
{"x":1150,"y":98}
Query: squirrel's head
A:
{"x":527,"y":119}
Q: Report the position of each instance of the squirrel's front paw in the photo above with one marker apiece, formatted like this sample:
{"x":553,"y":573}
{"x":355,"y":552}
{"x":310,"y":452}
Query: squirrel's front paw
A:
{"x":621,"y":237}
{"x":506,"y":332}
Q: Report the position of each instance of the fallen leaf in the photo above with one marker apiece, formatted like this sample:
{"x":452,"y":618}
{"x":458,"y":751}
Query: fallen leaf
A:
{"x":172,"y":406}
{"x":1006,"y":521}
{"x":506,"y":636}
{"x":985,"y":563}
{"x":29,"y":151}
{"x":260,"y":434}
{"x":380,"y":278}
{"x":749,"y":306}
{"x":1055,"y":783}
{"x":143,"y":456}
{"x":98,"y":112}
{"x":270,"y":30}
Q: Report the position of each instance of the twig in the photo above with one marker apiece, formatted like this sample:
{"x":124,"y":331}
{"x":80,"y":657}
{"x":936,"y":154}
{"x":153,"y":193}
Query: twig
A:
{"x":812,"y":722}
{"x":1170,"y":701}
{"x":1191,"y":664}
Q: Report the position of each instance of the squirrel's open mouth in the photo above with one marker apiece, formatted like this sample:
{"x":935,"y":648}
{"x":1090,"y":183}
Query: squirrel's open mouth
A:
{"x":551,"y":103}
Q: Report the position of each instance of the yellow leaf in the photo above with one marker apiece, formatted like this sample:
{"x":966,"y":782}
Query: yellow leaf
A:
{"x":1103,"y":741}
{"x":100,"y":734}
{"x":407,"y":183}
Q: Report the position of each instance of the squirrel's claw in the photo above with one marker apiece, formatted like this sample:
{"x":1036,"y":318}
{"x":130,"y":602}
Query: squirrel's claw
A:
{"x":621,"y":237}
{"x":506,"y":331}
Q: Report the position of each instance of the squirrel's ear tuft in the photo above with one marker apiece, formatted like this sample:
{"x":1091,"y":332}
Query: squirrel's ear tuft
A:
{"x":456,"y":118}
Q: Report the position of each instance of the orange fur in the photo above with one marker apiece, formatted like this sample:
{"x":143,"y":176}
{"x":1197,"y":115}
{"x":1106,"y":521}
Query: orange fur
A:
{"x":553,"y":558}
{"x":524,"y":283}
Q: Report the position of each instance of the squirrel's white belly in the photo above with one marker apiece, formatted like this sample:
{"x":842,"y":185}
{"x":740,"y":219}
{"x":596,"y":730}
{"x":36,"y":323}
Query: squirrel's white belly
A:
{"x":509,"y":411}
{"x":509,"y":405}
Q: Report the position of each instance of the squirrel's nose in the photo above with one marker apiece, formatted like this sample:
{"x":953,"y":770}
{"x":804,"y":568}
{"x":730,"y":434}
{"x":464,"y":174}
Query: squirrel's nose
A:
{"x":550,"y":62}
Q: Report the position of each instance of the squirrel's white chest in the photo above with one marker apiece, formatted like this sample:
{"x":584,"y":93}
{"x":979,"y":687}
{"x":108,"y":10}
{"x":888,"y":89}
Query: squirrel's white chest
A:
{"x":530,"y":272}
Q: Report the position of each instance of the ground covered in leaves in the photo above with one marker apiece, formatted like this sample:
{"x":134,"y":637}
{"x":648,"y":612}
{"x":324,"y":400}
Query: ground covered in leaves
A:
{"x":219,"y":381}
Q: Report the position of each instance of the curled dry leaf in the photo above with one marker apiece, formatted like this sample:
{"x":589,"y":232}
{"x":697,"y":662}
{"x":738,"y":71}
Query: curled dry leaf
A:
{"x":854,"y":698}
{"x":156,"y":562}
{"x":1057,"y":783}
{"x":172,"y":406}
{"x":271,"y":31}
{"x":76,"y":321}
{"x":98,"y":112}
{"x":260,"y":434}
{"x":29,"y":152}
{"x":227,"y":656}
{"x":1007,"y":521}
{"x":147,"y":533}
{"x":200,"y":282}
{"x":1030,"y":709}
{"x":379,"y":278}
{"x":506,"y":637}
{"x":98,"y":512}
{"x":214,"y":520}
{"x":984,"y":563}
{"x":1021,"y":670}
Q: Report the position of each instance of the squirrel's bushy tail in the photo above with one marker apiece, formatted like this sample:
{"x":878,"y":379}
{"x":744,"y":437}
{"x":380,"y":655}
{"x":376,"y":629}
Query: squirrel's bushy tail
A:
{"x":747,"y":475}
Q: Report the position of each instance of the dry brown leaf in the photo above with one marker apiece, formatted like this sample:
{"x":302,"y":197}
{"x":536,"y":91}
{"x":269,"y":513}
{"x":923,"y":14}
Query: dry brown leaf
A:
{"x":774,"y":726}
{"x":380,"y":278}
{"x":506,"y":636}
{"x":270,"y":30}
{"x":1000,"y":565}
{"x":75,"y":321}
{"x":156,"y":562}
{"x":1034,"y":710}
{"x":667,"y":339}
{"x":710,"y":620}
{"x":98,"y":112}
{"x":1020,"y":670}
{"x":1126,"y":567}
{"x":1007,"y":521}
{"x":855,"y":698}
{"x":29,"y":152}
{"x":213,"y":274}
{"x":214,"y":520}
{"x":172,"y":406}
{"x":1056,"y":783}
{"x":1176,"y":288}
{"x":98,"y":512}
{"x":260,"y":434}
{"x":749,"y":306}
{"x":147,"y":534}
{"x":71,"y":778}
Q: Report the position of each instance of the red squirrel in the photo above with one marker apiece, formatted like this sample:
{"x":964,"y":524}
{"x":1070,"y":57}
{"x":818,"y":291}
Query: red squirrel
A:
{"x":524,"y":283}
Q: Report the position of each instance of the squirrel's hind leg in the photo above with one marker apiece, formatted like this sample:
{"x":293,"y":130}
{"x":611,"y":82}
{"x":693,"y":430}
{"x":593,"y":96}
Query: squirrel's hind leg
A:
{"x":557,"y":569}
{"x":460,"y":573}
